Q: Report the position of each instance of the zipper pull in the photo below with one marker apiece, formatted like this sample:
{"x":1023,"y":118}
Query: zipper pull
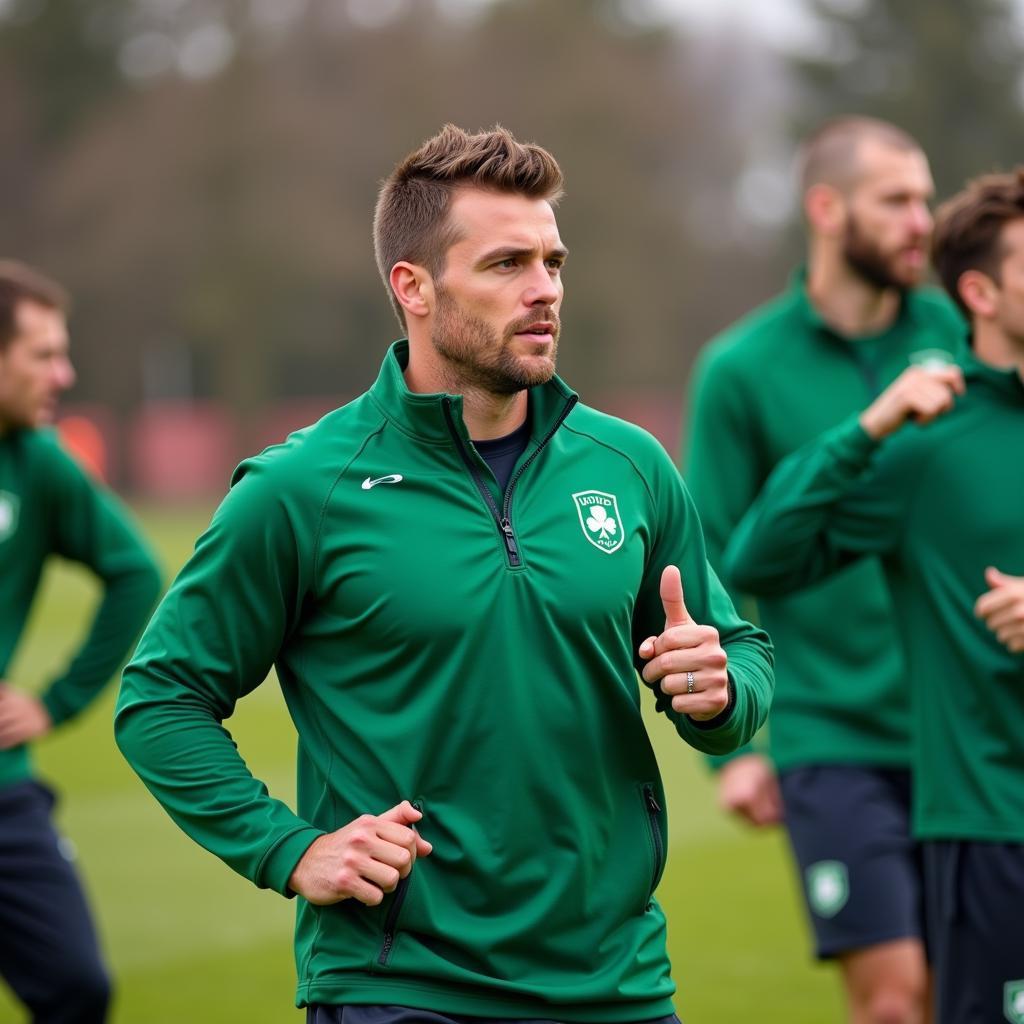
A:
{"x":652,"y":802}
{"x":510,"y":541}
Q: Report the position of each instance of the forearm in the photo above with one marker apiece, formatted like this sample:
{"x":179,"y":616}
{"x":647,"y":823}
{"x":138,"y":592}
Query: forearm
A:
{"x":127,"y":601}
{"x":188,"y":761}
{"x":785,"y":542}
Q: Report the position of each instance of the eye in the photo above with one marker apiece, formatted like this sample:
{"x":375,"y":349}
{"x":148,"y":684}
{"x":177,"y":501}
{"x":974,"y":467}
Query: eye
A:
{"x":509,"y":263}
{"x":556,"y":262}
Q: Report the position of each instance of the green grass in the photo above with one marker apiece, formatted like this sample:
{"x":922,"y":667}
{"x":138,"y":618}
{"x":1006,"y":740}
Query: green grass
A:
{"x":191,"y":941}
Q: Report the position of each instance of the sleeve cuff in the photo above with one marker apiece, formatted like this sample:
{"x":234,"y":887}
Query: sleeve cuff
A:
{"x":851,"y":444}
{"x":57,"y":709}
{"x":279,"y":863}
{"x":723,"y":716}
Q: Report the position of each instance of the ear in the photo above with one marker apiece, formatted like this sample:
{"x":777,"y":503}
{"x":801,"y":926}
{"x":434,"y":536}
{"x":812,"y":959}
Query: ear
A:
{"x":979,"y":292}
{"x":825,"y":209}
{"x":413,"y":288}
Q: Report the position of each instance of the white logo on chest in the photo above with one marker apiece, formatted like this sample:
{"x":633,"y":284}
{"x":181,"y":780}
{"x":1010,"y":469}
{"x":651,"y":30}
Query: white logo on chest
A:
{"x":394,"y":478}
{"x":600,"y":519}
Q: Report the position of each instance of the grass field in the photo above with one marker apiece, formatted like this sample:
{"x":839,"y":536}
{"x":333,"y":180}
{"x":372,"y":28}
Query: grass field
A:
{"x":190,"y":941}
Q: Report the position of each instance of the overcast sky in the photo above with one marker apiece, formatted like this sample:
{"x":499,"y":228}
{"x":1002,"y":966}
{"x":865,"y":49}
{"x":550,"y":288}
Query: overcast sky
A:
{"x":781,"y":22}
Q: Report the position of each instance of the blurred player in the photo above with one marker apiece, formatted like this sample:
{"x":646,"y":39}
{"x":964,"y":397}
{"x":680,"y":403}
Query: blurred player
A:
{"x":455,"y":576}
{"x":941,"y":504}
{"x":837,"y":772}
{"x":48,"y":506}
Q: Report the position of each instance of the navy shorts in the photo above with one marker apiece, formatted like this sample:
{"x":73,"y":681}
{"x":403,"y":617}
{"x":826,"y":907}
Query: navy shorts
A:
{"x":860,"y":871}
{"x":317,"y":1014}
{"x":975,"y":897}
{"x":48,"y":950}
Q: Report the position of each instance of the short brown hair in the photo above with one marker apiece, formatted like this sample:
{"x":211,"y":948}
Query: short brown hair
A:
{"x":22,"y":283}
{"x":968,"y":229}
{"x":411,"y":219}
{"x":829,"y":154}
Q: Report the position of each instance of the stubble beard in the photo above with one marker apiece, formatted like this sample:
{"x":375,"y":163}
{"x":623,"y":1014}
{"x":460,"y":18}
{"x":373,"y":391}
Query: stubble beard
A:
{"x":478,"y":359}
{"x":871,"y":264}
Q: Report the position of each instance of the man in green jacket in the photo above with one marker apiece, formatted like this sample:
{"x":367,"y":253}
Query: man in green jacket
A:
{"x":941,"y":505}
{"x":49,"y":955}
{"x":847,"y":325}
{"x":456,"y":577}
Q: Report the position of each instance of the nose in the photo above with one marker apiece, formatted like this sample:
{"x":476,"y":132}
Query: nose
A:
{"x":921,"y":218}
{"x":63,"y":375}
{"x":544,"y":287}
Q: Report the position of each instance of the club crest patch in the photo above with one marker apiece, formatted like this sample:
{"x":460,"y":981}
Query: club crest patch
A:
{"x":828,"y":887}
{"x":600,"y":519}
{"x":1013,"y":1001}
{"x":9,"y":505}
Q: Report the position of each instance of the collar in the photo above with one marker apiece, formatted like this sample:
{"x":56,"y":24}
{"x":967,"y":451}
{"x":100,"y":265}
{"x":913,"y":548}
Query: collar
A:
{"x":1007,"y":382}
{"x":809,"y":315}
{"x":423,"y":415}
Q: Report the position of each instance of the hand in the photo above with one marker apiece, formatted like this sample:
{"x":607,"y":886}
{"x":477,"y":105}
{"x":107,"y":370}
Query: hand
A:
{"x":749,"y":788}
{"x":22,"y":718}
{"x":1002,"y":608}
{"x":363,"y":860}
{"x":920,"y":393}
{"x":686,"y":647}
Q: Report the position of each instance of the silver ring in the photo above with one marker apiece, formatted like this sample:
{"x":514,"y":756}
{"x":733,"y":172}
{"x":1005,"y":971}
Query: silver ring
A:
{"x":689,"y":683}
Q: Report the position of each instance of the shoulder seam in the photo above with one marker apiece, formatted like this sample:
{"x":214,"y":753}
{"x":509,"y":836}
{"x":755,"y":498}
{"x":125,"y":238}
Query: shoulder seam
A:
{"x":619,"y":452}
{"x":330,"y":491}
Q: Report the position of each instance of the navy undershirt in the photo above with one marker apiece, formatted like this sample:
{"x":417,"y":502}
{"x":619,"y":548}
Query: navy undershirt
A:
{"x":502,"y":453}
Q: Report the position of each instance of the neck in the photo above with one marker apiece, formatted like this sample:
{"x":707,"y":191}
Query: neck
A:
{"x":993,"y":346}
{"x":489,"y":416}
{"x":486,"y":415}
{"x":850,"y":305}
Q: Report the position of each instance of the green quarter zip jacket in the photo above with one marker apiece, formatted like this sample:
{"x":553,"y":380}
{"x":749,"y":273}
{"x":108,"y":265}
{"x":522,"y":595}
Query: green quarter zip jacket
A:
{"x":765,"y":387}
{"x":49,"y":506}
{"x":469,"y":650}
{"x":938,"y":504}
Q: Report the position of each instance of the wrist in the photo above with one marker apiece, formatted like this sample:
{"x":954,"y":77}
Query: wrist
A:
{"x":872,"y":425}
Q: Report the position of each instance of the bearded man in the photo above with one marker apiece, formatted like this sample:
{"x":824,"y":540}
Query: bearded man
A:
{"x":836,"y":764}
{"x":456,"y":576}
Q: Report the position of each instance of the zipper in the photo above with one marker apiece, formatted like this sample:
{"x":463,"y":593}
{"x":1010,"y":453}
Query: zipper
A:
{"x":654,"y":821}
{"x":391,"y":921}
{"x":503,"y":516}
{"x":871,"y":377}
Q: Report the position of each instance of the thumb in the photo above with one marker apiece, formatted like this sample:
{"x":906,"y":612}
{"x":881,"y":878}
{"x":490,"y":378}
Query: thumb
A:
{"x":672,"y":598}
{"x":995,"y":578}
{"x":404,"y":813}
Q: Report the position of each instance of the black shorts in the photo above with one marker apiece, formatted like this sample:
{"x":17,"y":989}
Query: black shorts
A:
{"x":860,"y":871}
{"x":407,"y":1015}
{"x":975,"y":898}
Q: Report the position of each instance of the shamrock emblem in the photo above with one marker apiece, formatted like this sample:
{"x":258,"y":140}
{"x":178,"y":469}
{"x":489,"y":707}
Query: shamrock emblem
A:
{"x":601,"y":523}
{"x":600,"y":520}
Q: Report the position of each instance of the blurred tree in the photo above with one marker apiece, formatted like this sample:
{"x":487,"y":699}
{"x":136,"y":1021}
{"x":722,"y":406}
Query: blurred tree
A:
{"x":949,"y":71}
{"x":57,"y":66}
{"x":65,"y":54}
{"x":212,"y":213}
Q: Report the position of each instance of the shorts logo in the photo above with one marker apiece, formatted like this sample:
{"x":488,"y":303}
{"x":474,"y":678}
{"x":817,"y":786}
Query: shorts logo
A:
{"x":828,"y":887}
{"x":600,"y":519}
{"x":9,"y":504}
{"x":1013,"y":1001}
